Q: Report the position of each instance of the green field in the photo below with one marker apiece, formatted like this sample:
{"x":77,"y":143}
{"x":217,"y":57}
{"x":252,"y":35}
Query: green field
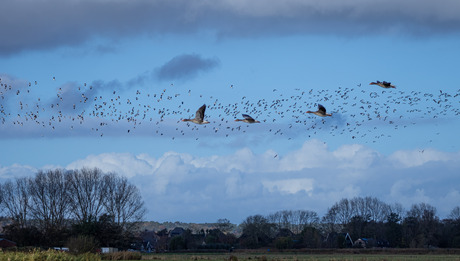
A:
{"x":238,"y":256}
{"x":300,"y":256}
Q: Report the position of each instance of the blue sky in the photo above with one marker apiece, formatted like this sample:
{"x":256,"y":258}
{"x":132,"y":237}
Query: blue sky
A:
{"x":145,"y":65}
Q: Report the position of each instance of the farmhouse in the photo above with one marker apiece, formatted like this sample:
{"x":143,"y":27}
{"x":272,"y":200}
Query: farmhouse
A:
{"x":5,"y":243}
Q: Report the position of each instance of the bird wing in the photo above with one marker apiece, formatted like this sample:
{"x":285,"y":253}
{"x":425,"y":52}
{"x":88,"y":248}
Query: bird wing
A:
{"x":247,"y":117}
{"x":321,"y":108}
{"x":200,"y":112}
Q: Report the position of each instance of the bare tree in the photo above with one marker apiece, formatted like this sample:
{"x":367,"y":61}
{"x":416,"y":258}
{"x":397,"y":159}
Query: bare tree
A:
{"x":16,"y":203}
{"x":50,"y":200}
{"x":1,"y":197}
{"x":379,"y":210}
{"x":295,"y":221}
{"x":86,"y":193}
{"x":330,"y":221}
{"x":455,"y":214}
{"x":224,"y":225}
{"x":122,"y":200}
{"x":398,"y":209}
{"x":307,"y":218}
{"x":343,"y":211}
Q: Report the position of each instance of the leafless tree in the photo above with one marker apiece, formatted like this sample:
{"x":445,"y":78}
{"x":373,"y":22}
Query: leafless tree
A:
{"x":307,"y":218}
{"x":224,"y":225}
{"x":343,"y":211}
{"x":1,"y":197}
{"x":122,"y":200}
{"x":86,"y":193}
{"x":295,"y":221}
{"x":16,"y":200}
{"x":378,"y":209}
{"x":330,"y":221}
{"x":455,"y":214}
{"x":49,"y":203}
{"x":398,"y":209}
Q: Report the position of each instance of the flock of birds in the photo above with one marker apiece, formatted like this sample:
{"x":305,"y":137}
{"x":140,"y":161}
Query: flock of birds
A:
{"x":359,"y":112}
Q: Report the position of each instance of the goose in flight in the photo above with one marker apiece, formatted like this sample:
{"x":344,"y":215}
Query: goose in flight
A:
{"x":320,"y":112}
{"x":383,"y":84}
{"x":247,"y":119}
{"x":199,"y":116}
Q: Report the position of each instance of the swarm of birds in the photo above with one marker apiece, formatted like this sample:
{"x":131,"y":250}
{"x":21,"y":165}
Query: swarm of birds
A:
{"x":356,"y":112}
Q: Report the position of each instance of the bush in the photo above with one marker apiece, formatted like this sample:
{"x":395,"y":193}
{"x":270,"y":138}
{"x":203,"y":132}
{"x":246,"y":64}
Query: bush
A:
{"x":82,"y":244}
{"x":50,"y":255}
{"x":284,"y":242}
{"x":125,"y":255}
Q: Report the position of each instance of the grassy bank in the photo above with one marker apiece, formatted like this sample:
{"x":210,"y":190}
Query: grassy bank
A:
{"x":50,"y":255}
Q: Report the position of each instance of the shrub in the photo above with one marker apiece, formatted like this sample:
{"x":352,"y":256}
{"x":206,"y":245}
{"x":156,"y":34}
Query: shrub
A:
{"x":124,"y":255}
{"x":82,"y":244}
{"x":50,"y":255}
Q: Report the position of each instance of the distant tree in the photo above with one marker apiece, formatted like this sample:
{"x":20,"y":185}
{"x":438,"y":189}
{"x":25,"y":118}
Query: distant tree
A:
{"x":177,"y":243}
{"x":257,"y":232}
{"x":16,"y":200}
{"x":106,"y":232}
{"x":82,"y":244}
{"x":356,"y":227}
{"x":329,"y":222}
{"x":122,"y":200}
{"x":421,"y":226}
{"x":343,"y":211}
{"x":295,"y":221}
{"x":224,"y":225}
{"x":398,"y":209}
{"x":310,"y":237}
{"x":23,"y":236}
{"x":49,"y":204}
{"x":1,"y":198}
{"x":87,"y":194}
{"x":284,"y":242}
{"x":455,"y":214}
{"x":394,"y":230}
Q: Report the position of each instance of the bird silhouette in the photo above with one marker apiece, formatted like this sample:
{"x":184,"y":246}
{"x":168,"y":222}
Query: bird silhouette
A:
{"x":199,"y":116}
{"x":247,"y":119}
{"x":320,"y":112}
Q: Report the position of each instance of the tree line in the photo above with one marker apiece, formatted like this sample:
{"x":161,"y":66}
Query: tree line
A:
{"x":55,"y":205}
{"x":379,"y":225}
{"x":356,"y":222}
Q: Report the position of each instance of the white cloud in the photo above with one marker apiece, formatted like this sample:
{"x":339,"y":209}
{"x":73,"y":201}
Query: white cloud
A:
{"x":16,"y":171}
{"x":419,"y":157}
{"x":180,"y":186}
{"x":290,"y":186}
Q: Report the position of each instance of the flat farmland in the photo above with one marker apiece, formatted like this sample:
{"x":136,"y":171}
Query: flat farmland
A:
{"x":328,"y":255}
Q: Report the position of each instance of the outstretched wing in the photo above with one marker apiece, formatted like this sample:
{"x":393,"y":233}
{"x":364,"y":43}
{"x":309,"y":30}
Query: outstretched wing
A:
{"x":247,"y":117}
{"x":199,"y":115}
{"x":321,"y":108}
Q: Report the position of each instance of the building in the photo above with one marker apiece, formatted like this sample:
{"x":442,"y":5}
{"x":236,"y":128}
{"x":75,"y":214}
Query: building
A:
{"x":5,"y":243}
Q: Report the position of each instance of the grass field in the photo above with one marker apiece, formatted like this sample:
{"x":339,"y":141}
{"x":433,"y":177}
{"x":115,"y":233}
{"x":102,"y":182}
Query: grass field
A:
{"x":324,"y":256}
{"x":332,"y":255}
{"x":290,"y":256}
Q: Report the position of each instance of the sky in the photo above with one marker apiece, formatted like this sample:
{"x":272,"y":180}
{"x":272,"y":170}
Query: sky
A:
{"x":106,"y":84}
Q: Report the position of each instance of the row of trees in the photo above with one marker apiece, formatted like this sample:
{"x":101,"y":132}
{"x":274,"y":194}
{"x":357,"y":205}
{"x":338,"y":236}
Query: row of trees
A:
{"x":57,"y":204}
{"x":356,"y":222}
{"x":379,"y":223}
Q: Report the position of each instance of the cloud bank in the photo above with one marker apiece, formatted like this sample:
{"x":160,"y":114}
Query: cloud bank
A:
{"x":178,"y":186}
{"x":52,"y":23}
